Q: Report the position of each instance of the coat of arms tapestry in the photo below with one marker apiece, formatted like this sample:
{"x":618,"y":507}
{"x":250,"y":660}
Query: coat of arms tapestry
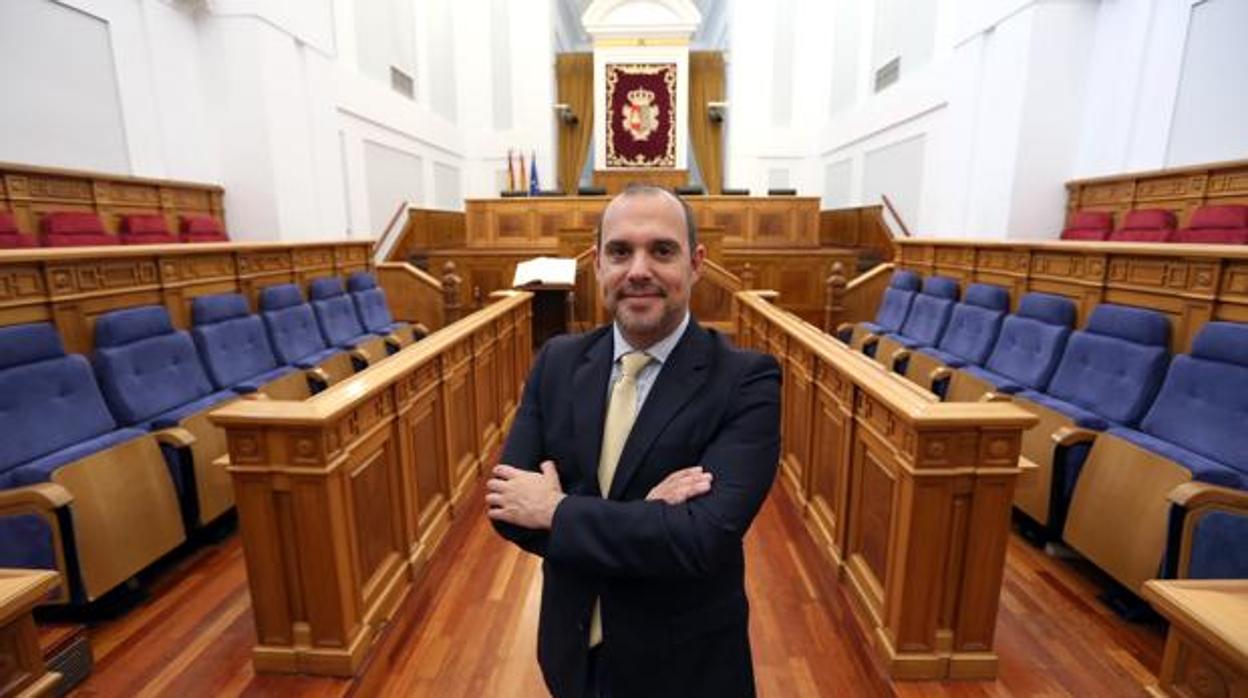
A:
{"x":641,"y":115}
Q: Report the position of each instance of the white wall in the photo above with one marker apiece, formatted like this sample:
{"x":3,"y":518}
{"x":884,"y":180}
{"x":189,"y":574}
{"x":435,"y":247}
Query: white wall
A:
{"x":1009,"y":98}
{"x":286,"y":103}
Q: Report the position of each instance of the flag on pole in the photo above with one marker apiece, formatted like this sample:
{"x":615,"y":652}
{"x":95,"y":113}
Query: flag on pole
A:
{"x":533,"y":185}
{"x":523,"y":178}
{"x":511,"y":173}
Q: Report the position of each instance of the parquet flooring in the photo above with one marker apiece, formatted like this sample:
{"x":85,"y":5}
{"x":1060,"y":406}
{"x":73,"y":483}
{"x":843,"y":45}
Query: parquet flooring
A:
{"x":469,"y":629}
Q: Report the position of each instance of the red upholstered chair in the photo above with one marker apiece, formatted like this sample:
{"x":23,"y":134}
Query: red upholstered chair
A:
{"x":145,"y":229}
{"x":75,"y":229}
{"x":203,"y":229}
{"x":1146,"y":225}
{"x":1089,"y":225}
{"x":10,"y":236}
{"x":1225,"y":225}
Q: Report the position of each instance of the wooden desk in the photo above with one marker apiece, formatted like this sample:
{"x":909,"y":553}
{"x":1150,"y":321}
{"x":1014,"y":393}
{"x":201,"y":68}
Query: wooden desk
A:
{"x":22,"y":671}
{"x":1207,"y":648}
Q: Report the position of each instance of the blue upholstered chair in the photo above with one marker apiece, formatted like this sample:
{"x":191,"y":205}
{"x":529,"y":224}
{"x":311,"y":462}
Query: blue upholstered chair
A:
{"x":77,"y":493}
{"x":1182,"y":474}
{"x":894,"y":306}
{"x":923,"y":326}
{"x":1108,"y":375}
{"x":968,"y":338}
{"x":1026,"y":353}
{"x":152,"y":379}
{"x":296,"y":337}
{"x":370,"y":302}
{"x":236,"y":351}
{"x":340,"y":324}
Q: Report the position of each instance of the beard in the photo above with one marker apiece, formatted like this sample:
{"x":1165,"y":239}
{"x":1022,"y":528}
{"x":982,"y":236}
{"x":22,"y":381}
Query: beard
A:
{"x":657,"y":315}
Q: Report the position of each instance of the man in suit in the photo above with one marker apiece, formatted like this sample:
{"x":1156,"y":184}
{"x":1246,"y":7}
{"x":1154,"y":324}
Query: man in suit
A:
{"x":639,"y":456}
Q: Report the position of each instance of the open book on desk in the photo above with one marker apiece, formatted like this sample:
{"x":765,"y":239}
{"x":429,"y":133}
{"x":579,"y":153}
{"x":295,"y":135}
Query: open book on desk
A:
{"x":545,"y":271}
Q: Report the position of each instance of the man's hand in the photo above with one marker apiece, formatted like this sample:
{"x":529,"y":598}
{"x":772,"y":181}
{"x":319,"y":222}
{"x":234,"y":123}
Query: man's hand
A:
{"x":522,"y":497}
{"x":681,"y":486}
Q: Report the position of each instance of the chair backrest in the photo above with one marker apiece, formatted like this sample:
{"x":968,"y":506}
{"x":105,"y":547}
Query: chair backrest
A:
{"x":1216,"y":225}
{"x":231,"y":341}
{"x":1114,"y":366}
{"x":370,"y":301}
{"x":334,"y":310}
{"x":145,"y":229}
{"x":1204,"y":398}
{"x":1146,"y":225}
{"x":1031,"y":340}
{"x":145,"y":366}
{"x":897,"y":299}
{"x":200,"y":228}
{"x":1089,"y":225}
{"x":48,"y":400}
{"x":75,"y":228}
{"x":290,"y":322}
{"x":929,"y":312}
{"x":975,"y":322}
{"x":10,"y":236}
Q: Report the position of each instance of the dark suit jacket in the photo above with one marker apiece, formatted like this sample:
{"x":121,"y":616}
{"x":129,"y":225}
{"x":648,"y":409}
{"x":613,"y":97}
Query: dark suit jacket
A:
{"x":670,"y":578}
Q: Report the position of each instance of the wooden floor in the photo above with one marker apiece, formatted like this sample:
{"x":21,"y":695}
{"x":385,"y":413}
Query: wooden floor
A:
{"x":471,"y":627}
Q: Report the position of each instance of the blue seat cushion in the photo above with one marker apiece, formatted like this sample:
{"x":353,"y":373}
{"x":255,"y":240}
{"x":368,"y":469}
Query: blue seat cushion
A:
{"x":1031,"y":341}
{"x":235,"y":348}
{"x":149,"y":377}
{"x":1003,"y":384}
{"x":24,"y":344}
{"x":171,"y":417}
{"x":47,"y":406}
{"x":1114,"y":366}
{"x":41,"y":469}
{"x":1080,"y":416}
{"x":974,"y":324}
{"x":294,"y":334}
{"x":1203,"y":407}
{"x":1203,"y":469}
{"x":946,"y":358}
{"x":1220,"y":547}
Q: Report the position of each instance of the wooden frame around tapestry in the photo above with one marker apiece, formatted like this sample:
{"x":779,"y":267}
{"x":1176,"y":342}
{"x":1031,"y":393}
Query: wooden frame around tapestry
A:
{"x":641,"y":115}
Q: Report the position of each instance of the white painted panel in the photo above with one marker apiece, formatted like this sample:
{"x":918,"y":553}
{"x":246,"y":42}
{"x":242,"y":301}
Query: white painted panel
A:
{"x":897,"y":171}
{"x":392,"y":176}
{"x":782,"y":65}
{"x":500,"y":63}
{"x":845,"y":49}
{"x":905,"y":28}
{"x":385,"y":36}
{"x":778,"y":178}
{"x":837,"y":181}
{"x":442,"y":49}
{"x":1211,"y":112}
{"x":447,"y":190}
{"x":70,"y":113}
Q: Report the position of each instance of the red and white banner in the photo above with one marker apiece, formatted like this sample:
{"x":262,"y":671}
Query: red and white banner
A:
{"x":641,"y":115}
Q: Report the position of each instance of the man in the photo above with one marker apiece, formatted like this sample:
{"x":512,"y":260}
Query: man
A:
{"x":640,"y":454}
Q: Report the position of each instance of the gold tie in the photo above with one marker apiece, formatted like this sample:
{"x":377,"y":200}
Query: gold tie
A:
{"x":621,"y":413}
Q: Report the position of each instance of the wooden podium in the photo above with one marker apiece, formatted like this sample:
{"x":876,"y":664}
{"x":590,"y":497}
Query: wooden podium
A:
{"x":614,"y":181}
{"x":552,"y":310}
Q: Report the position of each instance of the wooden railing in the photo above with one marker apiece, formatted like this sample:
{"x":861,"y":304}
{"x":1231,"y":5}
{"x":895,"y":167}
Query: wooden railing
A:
{"x":909,"y":497}
{"x":1191,"y":284}
{"x":856,"y":300}
{"x":414,"y":295}
{"x":342,"y":498}
{"x":71,"y":286}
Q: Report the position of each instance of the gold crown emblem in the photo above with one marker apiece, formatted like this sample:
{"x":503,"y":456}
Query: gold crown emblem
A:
{"x":641,"y":96}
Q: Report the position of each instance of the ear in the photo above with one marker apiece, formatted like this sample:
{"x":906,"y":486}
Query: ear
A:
{"x":696,"y":259}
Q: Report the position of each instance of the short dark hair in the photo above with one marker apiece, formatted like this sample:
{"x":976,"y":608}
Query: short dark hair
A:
{"x":691,"y":226}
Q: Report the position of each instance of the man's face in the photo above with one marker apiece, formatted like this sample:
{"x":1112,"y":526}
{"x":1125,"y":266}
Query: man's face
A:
{"x":645,"y":268}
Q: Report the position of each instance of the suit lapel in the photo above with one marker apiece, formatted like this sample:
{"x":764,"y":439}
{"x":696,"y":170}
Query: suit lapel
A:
{"x":589,"y":403}
{"x":679,"y":380}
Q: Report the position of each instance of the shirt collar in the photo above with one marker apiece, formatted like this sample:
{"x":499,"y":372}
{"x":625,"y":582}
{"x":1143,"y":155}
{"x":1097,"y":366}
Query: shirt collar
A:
{"x":659,"y":351}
